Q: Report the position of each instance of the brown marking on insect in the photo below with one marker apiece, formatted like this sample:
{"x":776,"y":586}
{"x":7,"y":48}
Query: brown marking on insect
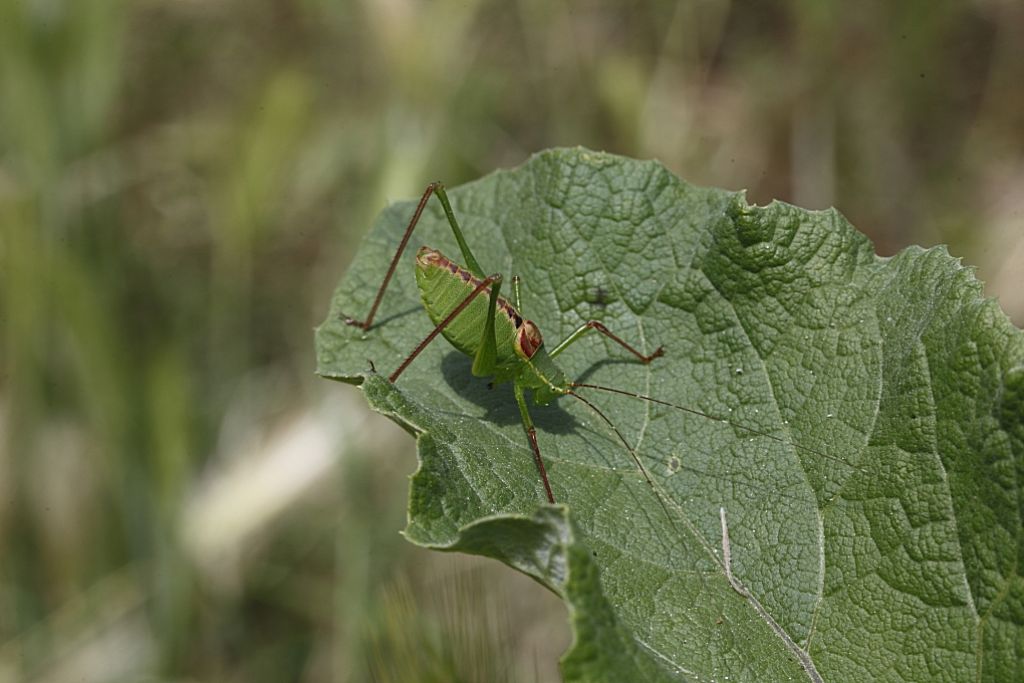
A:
{"x":425,"y":256}
{"x":528,"y":339}
{"x":432,"y":258}
{"x":510,"y":312}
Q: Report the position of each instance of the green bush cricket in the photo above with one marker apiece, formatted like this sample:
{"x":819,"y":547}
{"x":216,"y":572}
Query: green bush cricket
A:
{"x":466,"y":308}
{"x":503,"y":344}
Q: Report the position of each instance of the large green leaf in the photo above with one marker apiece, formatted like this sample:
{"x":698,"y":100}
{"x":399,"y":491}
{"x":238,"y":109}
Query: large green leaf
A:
{"x":876,"y":537}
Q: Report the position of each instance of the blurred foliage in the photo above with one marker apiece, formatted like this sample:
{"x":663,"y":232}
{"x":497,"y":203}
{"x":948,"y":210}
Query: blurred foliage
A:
{"x":182,"y":183}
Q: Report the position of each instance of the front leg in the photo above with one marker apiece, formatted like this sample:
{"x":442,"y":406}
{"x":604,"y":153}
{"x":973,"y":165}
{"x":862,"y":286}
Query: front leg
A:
{"x":599,"y":326}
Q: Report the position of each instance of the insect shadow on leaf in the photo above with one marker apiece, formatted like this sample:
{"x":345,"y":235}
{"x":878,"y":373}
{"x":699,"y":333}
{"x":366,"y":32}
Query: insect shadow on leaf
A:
{"x":497,"y":400}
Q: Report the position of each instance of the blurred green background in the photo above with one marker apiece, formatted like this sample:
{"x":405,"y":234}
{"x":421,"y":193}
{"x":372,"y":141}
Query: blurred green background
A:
{"x":182,"y":183}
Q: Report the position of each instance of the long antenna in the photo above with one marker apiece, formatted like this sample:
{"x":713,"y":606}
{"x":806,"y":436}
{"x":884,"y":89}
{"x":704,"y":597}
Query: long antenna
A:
{"x":632,"y":453}
{"x":693,"y":411}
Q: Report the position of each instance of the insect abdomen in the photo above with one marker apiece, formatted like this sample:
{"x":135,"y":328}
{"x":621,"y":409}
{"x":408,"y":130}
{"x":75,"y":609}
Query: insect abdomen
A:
{"x":443,"y":285}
